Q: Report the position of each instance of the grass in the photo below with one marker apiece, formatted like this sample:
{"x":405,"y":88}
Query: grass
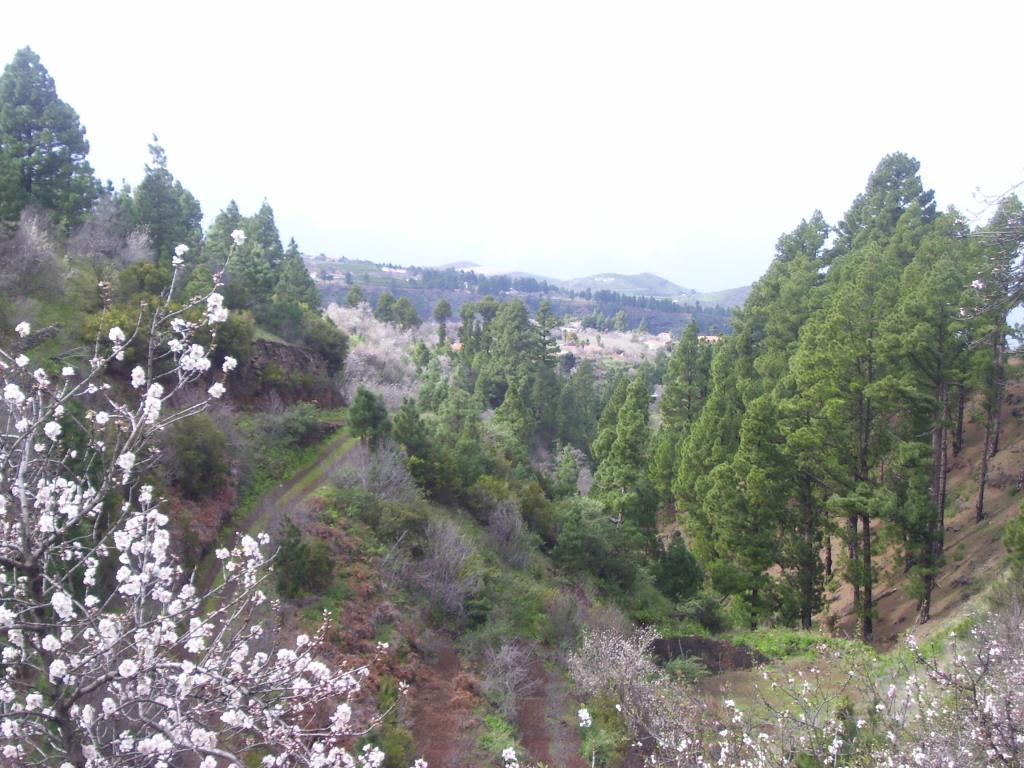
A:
{"x":497,"y":734}
{"x":779,"y":643}
{"x":332,"y":600}
{"x":275,"y":464}
{"x":262,"y":334}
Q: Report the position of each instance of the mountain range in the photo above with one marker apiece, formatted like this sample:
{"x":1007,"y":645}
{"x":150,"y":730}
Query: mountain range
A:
{"x":643,"y":284}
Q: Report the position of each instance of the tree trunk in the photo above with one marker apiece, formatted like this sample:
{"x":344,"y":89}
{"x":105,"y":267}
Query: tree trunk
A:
{"x":867,"y":625}
{"x":996,"y":383}
{"x":808,"y":564}
{"x":999,"y":388}
{"x":854,"y":555}
{"x":937,"y":522}
{"x":958,"y":440}
{"x":979,"y":507}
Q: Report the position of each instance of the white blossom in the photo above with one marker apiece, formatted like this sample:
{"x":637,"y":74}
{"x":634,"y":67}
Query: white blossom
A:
{"x":13,"y":394}
{"x":138,"y":376}
{"x":23,"y":329}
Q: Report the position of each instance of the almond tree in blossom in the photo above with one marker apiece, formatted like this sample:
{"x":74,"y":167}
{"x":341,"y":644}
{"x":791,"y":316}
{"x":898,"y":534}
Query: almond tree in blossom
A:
{"x":110,"y":656}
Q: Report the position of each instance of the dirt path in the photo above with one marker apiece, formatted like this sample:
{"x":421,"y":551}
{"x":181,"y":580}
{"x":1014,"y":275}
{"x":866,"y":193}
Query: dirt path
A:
{"x":267,"y":515}
{"x":546,"y":721}
{"x":442,"y":716}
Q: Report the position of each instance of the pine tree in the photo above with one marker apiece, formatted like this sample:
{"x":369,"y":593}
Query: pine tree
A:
{"x":42,"y":146}
{"x":998,"y":244}
{"x":682,"y":396}
{"x":294,"y":281}
{"x":442,"y":314}
{"x":355,"y":296}
{"x":368,"y":417}
{"x":621,"y":480}
{"x":385,"y":309}
{"x":217,"y":244}
{"x":928,"y":337}
{"x":168,"y":212}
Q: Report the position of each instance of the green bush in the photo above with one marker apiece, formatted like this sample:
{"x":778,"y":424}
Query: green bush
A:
{"x":194,"y":456}
{"x":497,"y":735}
{"x":605,"y":741}
{"x":677,"y":573}
{"x":303,"y":564}
{"x":295,"y":427}
{"x":688,"y":668}
{"x":705,"y":609}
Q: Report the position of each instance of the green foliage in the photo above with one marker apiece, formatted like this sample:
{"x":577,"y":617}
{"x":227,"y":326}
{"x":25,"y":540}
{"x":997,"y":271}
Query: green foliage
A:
{"x":297,"y":426}
{"x":355,"y":296}
{"x":324,"y":338}
{"x":705,"y":610}
{"x":194,"y":456}
{"x":396,"y":742}
{"x":405,"y":314}
{"x":368,"y":417}
{"x":607,"y":738}
{"x":780,"y":643}
{"x":393,"y":738}
{"x":622,"y":481}
{"x":677,"y":572}
{"x":385,"y":309}
{"x":388,"y":520}
{"x":168,"y":212}
{"x":303,"y":564}
{"x":592,"y":541}
{"x":141,"y":281}
{"x":235,"y":337}
{"x":687,"y":668}
{"x":1013,"y":540}
{"x":42,"y":146}
{"x":442,"y":313}
{"x":579,"y":407}
{"x":496,"y":735}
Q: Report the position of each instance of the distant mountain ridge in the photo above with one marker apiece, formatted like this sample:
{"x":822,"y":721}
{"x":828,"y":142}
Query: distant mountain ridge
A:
{"x":642,"y":284}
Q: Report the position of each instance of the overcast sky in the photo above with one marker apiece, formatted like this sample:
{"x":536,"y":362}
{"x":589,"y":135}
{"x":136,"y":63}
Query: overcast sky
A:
{"x":558,"y":138}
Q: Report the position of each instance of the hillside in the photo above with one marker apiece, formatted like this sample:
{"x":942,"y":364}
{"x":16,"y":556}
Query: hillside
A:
{"x":974,"y":554}
{"x":662,"y":305}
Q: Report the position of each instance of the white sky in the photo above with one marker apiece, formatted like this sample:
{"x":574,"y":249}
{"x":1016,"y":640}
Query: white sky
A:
{"x":558,"y":138}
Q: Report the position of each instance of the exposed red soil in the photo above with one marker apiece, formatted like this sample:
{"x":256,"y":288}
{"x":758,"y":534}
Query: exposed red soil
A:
{"x":443,"y":698}
{"x":546,"y":721}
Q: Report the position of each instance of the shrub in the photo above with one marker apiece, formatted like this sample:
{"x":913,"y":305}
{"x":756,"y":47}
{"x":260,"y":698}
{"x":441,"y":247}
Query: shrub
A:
{"x":384,"y":474}
{"x":193,"y":456}
{"x":295,"y":427}
{"x":446,"y":573}
{"x":507,"y":676}
{"x":509,"y":535}
{"x":303,"y":564}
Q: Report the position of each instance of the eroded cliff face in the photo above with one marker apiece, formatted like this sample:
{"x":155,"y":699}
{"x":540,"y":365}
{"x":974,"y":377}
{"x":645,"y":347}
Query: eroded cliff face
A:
{"x":279,"y":373}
